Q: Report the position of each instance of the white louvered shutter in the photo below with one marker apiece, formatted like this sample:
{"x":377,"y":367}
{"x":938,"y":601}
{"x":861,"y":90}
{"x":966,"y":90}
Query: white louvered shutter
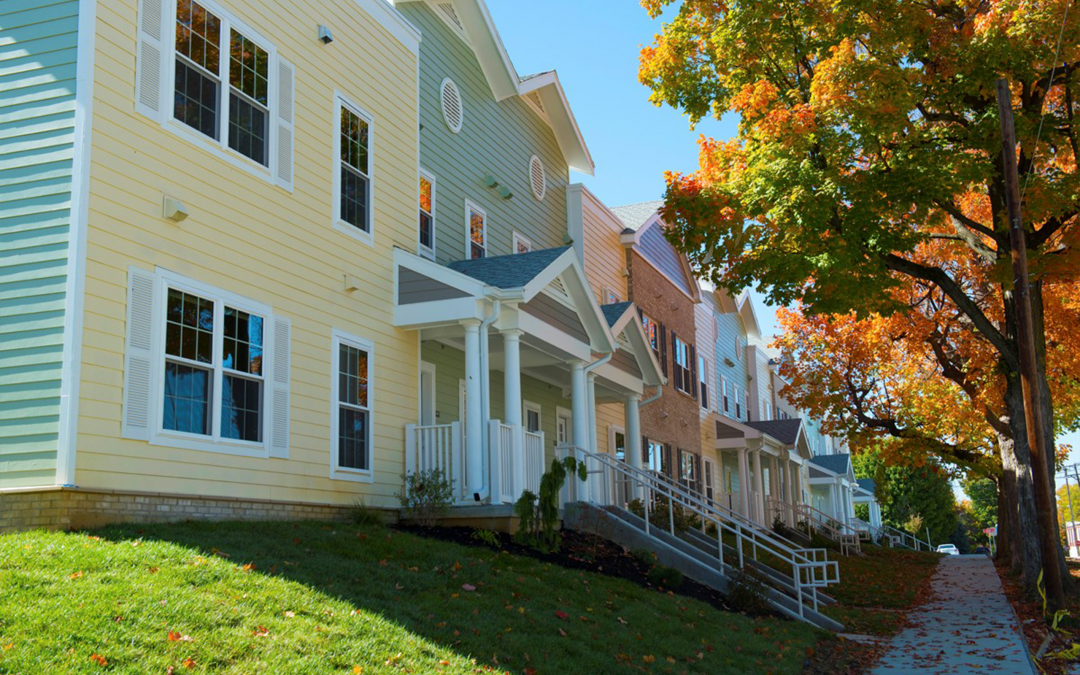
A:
{"x":279,"y":407}
{"x":286,"y":111}
{"x":138,"y":355}
{"x":150,"y":59}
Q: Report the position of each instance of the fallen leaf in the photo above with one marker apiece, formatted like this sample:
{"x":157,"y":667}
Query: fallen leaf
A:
{"x":289,"y":614}
{"x":562,"y":615}
{"x":75,"y":575}
{"x":648,"y":658}
{"x":357,"y":670}
{"x":189,"y":662}
{"x":249,"y":567}
{"x":468,"y":587}
{"x":99,"y":659}
{"x":261,"y":631}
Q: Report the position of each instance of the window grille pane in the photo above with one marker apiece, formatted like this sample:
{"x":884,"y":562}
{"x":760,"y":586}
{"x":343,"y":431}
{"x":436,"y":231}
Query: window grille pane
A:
{"x":249,"y":68}
{"x":352,"y":439}
{"x":241,"y":406}
{"x":187,"y":399}
{"x":354,"y":140}
{"x":247,"y":129}
{"x":242,"y":346}
{"x":198,"y":35}
{"x":354,"y":199}
{"x":189,"y":327}
{"x":353,"y":384}
{"x":195,"y":100}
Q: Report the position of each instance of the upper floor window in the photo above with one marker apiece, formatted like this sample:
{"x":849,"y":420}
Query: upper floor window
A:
{"x":476,"y":223}
{"x":652,"y":333}
{"x":738,"y":406}
{"x":703,"y":373}
{"x":222,"y":96}
{"x":427,"y":213}
{"x":746,"y":403}
{"x":609,"y":296}
{"x":683,"y":360}
{"x":766,"y":411}
{"x":353,"y":178}
{"x":724,"y":400}
{"x":521,"y":243}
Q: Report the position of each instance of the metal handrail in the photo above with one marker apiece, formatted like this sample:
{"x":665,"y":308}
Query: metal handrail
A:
{"x":844,"y":539}
{"x":806,"y":574}
{"x":902,"y":535}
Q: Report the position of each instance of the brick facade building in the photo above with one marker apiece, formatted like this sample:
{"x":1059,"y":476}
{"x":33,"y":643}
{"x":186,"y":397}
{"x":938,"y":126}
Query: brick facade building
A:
{"x":660,"y":283}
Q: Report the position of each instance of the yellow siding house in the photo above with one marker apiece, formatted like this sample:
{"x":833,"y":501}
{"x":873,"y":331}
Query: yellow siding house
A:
{"x":240,"y":180}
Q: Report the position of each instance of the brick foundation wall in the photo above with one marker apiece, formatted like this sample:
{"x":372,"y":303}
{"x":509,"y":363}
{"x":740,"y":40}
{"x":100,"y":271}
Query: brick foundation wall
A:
{"x":676,"y":417}
{"x":74,"y":508}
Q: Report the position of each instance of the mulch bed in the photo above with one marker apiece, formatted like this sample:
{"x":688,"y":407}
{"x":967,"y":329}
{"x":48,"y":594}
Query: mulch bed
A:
{"x":579,"y":551}
{"x":1035,"y":627}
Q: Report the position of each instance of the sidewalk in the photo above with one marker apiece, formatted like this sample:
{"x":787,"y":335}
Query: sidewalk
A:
{"x":968,"y":626}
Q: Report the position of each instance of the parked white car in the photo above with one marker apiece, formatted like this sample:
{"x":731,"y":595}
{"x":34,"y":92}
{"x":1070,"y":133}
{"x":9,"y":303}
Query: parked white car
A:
{"x":949,"y":549}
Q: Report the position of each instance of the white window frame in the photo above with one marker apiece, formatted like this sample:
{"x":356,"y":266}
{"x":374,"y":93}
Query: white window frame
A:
{"x":337,"y":338}
{"x":220,"y":146}
{"x":426,"y":251}
{"x":341,"y":102}
{"x":606,"y":295}
{"x":518,"y":238}
{"x":724,"y":405}
{"x":470,"y":205}
{"x":705,"y":389}
{"x":685,"y":378}
{"x":613,"y":431}
{"x":526,"y":408}
{"x":213,"y":442}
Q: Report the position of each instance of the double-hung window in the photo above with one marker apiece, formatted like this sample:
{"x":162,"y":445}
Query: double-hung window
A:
{"x":683,"y":376}
{"x":427,"y":214}
{"x":738,"y":406}
{"x":652,"y":334}
{"x":476,"y":227}
{"x":521,"y":243}
{"x":351,"y":385}
{"x":724,"y":401}
{"x":352,"y":180}
{"x":703,"y":373}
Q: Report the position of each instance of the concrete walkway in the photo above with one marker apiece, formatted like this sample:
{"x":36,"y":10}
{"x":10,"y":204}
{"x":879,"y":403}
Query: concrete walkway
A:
{"x":967,"y":627}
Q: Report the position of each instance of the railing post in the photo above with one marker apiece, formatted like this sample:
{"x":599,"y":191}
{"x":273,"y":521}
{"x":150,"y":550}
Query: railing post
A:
{"x":518,"y":455}
{"x":410,"y":449}
{"x":494,"y":461}
{"x":457,"y":460}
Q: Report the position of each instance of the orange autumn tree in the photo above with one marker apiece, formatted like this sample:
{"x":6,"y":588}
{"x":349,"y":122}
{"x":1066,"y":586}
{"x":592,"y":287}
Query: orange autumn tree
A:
{"x":869,"y":132}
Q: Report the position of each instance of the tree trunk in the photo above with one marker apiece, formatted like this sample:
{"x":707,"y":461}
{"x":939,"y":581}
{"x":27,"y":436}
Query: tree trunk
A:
{"x":1016,"y":461}
{"x":1007,"y":551}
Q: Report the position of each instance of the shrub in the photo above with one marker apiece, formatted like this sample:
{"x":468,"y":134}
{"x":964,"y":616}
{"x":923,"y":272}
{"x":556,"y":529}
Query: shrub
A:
{"x":664,"y":518}
{"x":487,"y":537}
{"x":747,"y":593}
{"x":363,"y":515}
{"x":644,"y":556}
{"x":665,"y":577}
{"x":426,"y":496}
{"x":539,"y":514}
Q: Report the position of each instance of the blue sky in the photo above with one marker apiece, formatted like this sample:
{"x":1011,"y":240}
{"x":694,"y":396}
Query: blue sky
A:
{"x":632,"y":142}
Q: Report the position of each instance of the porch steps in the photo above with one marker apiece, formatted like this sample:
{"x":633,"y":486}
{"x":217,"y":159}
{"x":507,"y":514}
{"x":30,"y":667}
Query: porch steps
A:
{"x":626,"y":529}
{"x":708,"y":545}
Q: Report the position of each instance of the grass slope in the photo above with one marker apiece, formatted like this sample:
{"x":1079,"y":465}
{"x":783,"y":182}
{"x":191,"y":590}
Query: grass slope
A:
{"x":286,"y":598}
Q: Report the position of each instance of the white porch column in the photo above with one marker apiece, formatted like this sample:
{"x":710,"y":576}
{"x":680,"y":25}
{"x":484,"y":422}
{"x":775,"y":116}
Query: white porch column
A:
{"x":474,"y":420}
{"x":744,"y":482}
{"x":592,"y":484}
{"x":580,"y":410}
{"x":834,"y":501}
{"x":789,"y":493}
{"x":632,"y":420}
{"x":759,"y":486}
{"x":512,"y":405}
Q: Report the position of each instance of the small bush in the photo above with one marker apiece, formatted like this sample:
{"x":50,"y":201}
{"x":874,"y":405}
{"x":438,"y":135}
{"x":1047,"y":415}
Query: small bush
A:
{"x":644,"y":556}
{"x":363,"y":515}
{"x":747,"y":593}
{"x":426,"y":496}
{"x":663,"y":517}
{"x":487,"y":537}
{"x":665,"y":577}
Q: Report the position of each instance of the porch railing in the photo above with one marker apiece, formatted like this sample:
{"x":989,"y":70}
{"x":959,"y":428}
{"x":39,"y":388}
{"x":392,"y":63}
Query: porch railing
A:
{"x":533,"y":460}
{"x":905,"y":539}
{"x":818,"y":521}
{"x":437,"y":446}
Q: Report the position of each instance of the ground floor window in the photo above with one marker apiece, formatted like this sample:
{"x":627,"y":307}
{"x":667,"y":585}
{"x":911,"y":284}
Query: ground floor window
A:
{"x":351,"y":416}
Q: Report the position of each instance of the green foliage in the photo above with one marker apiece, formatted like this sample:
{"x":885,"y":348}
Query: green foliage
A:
{"x":911,"y":497}
{"x":664,"y":577}
{"x":644,"y":556}
{"x":426,"y":496}
{"x":539,"y":514}
{"x":486,"y":537}
{"x":983,"y":495}
{"x":363,"y":515}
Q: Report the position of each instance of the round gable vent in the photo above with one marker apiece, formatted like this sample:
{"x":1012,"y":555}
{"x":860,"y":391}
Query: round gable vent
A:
{"x":452,"y":109}
{"x":537,"y":178}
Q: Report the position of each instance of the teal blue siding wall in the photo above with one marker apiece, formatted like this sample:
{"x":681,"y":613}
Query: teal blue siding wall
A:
{"x":497,"y":138}
{"x":38,"y":44}
{"x":729,"y":327}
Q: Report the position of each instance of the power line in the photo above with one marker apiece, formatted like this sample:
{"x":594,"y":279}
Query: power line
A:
{"x":1042,"y":116}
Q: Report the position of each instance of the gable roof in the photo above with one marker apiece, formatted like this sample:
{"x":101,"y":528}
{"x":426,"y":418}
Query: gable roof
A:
{"x":868,"y":484}
{"x":634,"y":216}
{"x":509,"y":271}
{"x":502,"y":78}
{"x":615,"y":311}
{"x":837,"y":464}
{"x":785,"y":431}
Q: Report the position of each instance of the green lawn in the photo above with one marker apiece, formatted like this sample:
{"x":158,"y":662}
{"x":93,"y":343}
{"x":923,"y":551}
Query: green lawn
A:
{"x":283,"y":598}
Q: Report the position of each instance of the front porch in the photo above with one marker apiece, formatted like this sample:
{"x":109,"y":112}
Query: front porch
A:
{"x":515,"y":356}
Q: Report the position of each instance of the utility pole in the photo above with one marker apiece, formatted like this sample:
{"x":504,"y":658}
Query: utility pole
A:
{"x":1025,"y":339}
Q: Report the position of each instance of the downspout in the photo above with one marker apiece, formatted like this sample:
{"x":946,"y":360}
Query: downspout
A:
{"x":485,"y":390}
{"x":654,"y":397}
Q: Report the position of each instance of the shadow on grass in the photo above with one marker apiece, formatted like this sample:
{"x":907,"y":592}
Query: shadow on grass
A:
{"x":318,"y":598}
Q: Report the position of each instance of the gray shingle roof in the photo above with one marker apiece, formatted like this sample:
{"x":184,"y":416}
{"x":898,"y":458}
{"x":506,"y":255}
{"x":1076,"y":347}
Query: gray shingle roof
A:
{"x":509,"y":271}
{"x":633,"y":216}
{"x":785,"y":431}
{"x":614,"y":311}
{"x":868,"y":484}
{"x":838,"y":464}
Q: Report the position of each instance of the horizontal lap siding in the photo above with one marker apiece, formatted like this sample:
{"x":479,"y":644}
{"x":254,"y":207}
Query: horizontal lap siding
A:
{"x":38,"y":51}
{"x":254,"y":239}
{"x":605,"y":257}
{"x":497,"y":138}
{"x":730,"y":328}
